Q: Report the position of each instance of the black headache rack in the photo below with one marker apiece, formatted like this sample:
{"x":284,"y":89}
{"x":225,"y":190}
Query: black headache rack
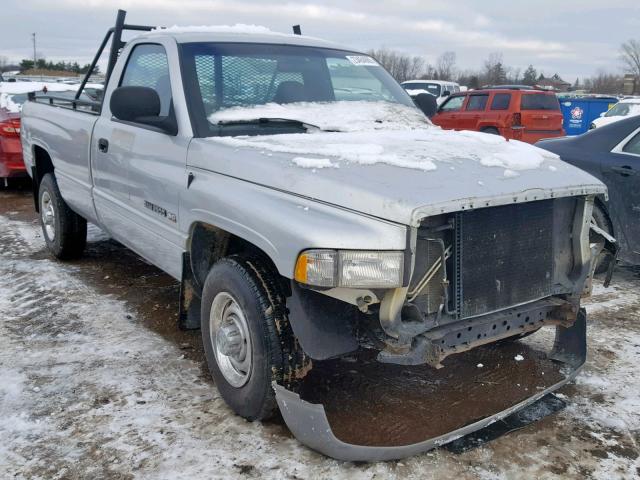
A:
{"x":116,"y":46}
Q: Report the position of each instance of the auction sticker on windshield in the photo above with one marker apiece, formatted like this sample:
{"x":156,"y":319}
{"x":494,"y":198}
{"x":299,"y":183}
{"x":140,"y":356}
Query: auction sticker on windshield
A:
{"x":362,"y":60}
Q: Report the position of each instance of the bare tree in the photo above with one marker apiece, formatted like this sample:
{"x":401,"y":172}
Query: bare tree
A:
{"x":603,"y":82}
{"x":494,"y":70}
{"x":630,"y":55}
{"x":445,"y":66}
{"x":4,"y":61}
{"x":402,"y":67}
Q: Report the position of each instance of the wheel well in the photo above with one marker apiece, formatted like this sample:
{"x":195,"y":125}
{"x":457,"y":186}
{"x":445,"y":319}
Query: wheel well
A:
{"x":489,"y":127}
{"x":41,"y":166}
{"x":208,"y":244}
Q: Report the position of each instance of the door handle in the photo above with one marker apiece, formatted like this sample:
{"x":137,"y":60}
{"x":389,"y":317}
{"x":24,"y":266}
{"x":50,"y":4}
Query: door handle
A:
{"x":625,"y":170}
{"x":103,"y":145}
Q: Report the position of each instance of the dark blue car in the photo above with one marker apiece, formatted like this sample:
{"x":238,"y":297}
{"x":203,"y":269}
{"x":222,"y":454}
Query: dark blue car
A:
{"x":611,"y":153}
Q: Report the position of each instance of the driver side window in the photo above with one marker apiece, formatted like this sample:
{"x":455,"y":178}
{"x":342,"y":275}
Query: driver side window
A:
{"x":147,"y":66}
{"x":453,"y":104}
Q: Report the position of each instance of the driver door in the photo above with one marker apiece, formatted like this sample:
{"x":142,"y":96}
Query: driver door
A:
{"x":139,"y":170}
{"x":449,"y":112}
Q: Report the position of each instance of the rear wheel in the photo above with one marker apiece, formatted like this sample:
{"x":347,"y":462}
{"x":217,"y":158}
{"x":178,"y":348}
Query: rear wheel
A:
{"x":64,"y":231}
{"x":247,"y":338}
{"x":601,"y":219}
{"x":491,"y":130}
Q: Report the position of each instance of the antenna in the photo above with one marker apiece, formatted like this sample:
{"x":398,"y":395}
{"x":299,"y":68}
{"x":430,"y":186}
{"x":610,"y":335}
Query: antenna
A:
{"x":297,"y":30}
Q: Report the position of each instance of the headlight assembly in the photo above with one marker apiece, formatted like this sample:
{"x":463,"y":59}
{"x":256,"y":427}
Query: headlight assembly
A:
{"x":350,"y":268}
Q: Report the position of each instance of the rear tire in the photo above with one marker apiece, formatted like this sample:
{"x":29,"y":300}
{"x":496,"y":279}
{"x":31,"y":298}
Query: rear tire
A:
{"x":247,"y":338}
{"x":601,"y":220}
{"x":64,"y":231}
{"x":491,"y":131}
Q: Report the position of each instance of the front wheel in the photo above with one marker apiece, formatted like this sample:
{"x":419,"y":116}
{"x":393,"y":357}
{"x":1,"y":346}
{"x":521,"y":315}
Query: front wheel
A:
{"x":65,"y":232}
{"x":246,"y":335}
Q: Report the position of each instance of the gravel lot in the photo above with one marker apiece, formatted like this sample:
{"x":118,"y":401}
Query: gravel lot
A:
{"x":97,"y":382}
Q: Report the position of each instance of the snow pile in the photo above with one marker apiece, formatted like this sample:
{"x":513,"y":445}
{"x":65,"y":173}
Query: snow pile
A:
{"x":26,"y":87}
{"x":339,"y":116}
{"x":368,"y":133}
{"x":9,"y":89}
{"x":7,"y":103}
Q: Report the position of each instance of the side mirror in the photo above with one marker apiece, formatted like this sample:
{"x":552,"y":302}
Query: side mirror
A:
{"x":446,"y":93}
{"x":427,"y":103}
{"x":141,"y":105}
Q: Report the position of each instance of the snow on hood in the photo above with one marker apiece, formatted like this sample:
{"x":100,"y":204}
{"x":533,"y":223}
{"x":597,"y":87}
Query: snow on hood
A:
{"x":368,"y":133}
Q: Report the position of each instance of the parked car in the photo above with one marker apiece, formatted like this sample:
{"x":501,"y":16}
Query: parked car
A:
{"x":518,"y":113}
{"x":12,"y":97}
{"x":309,"y":209}
{"x":438,"y":88}
{"x":627,"y":107}
{"x":611,"y":153}
{"x":11,"y":164}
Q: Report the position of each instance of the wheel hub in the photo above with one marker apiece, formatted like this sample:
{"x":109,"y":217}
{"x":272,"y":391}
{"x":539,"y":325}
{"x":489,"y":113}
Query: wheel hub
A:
{"x":229,"y":334}
{"x":48,"y":215}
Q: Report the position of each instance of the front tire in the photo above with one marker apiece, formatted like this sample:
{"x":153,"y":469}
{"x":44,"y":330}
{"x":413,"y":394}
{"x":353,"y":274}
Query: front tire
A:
{"x":64,"y":231}
{"x":246,"y":335}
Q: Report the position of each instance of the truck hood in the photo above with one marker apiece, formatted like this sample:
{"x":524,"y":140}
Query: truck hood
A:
{"x":401,"y":171}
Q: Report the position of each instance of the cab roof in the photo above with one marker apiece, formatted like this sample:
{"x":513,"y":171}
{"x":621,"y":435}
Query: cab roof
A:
{"x":239,"y":34}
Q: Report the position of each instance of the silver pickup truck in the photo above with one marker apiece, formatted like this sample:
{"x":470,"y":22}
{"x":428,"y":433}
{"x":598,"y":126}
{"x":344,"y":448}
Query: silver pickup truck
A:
{"x":309,"y":209}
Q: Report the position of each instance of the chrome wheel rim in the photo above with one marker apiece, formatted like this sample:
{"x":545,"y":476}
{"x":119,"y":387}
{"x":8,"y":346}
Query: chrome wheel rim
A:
{"x":229,"y":335}
{"x":48,"y":214}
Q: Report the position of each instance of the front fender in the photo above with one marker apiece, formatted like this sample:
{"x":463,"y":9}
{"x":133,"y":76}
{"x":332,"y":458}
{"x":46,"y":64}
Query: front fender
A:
{"x":279,"y":223}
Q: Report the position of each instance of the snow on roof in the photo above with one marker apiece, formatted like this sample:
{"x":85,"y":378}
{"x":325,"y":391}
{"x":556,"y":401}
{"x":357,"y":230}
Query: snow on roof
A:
{"x":368,"y":133}
{"x":238,"y":28}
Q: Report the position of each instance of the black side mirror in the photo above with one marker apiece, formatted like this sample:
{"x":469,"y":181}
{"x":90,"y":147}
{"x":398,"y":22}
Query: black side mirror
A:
{"x":446,"y":93}
{"x":141,"y":105}
{"x":427,"y":103}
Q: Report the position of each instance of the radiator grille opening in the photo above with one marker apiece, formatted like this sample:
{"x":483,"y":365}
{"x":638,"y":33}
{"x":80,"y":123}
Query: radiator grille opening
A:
{"x":504,"y":257}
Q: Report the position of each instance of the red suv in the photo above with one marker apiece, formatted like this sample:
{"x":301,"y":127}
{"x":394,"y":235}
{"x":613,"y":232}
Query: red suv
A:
{"x":515,"y":112}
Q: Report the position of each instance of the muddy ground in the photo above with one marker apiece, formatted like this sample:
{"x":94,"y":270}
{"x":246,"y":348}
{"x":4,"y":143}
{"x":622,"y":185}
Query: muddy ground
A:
{"x":96,"y":381}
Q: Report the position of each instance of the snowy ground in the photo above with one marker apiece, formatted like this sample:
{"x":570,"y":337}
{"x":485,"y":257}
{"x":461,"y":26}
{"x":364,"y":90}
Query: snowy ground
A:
{"x":96,"y":382}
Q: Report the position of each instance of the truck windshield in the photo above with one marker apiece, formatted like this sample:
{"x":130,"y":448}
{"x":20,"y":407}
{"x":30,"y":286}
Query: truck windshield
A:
{"x":220,"y":76}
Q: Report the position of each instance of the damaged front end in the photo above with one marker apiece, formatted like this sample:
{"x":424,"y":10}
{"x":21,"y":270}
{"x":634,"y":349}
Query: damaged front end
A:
{"x":478,"y":276}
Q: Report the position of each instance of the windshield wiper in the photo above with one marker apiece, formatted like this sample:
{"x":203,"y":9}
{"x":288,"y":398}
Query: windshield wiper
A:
{"x":285,"y":122}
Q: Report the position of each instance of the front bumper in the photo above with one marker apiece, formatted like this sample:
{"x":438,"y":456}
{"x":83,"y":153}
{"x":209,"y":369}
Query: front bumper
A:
{"x":311,"y":426}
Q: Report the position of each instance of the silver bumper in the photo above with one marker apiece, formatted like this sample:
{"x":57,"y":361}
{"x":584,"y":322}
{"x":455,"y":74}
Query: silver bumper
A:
{"x":309,"y":423}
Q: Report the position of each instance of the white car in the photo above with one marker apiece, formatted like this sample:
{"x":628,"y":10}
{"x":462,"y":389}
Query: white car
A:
{"x":438,"y":88}
{"x":627,"y":107}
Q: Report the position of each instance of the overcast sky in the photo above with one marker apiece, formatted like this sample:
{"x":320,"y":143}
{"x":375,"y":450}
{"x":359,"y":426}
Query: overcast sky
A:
{"x":572,"y":38}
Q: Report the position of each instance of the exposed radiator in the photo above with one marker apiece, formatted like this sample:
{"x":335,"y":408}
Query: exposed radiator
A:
{"x":503,"y":257}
